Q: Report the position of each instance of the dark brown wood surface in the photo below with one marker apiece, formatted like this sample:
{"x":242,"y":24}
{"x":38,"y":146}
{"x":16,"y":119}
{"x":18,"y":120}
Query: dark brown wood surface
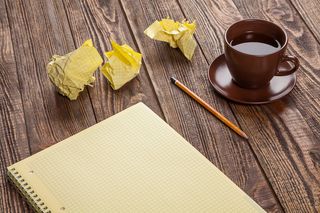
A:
{"x":279,"y":166}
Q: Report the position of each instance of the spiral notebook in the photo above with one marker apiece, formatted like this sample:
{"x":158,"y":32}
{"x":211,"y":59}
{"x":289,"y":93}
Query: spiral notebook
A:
{"x":130,"y":162}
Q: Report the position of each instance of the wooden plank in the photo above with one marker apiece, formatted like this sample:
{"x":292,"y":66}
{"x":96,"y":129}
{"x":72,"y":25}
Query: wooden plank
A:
{"x":309,"y":12}
{"x":37,"y":34}
{"x":222,"y":147}
{"x":101,"y":21}
{"x":280,"y":136}
{"x":13,"y":136}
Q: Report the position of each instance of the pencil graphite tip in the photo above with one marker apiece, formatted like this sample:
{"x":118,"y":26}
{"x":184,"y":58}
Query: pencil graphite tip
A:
{"x":173,"y":80}
{"x":245,"y":135}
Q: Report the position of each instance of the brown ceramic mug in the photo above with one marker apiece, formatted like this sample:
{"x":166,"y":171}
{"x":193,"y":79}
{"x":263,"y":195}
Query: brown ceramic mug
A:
{"x":253,"y":51}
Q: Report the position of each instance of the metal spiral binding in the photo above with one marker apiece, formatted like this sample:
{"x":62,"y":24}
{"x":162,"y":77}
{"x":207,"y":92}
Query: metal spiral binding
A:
{"x":34,"y":200}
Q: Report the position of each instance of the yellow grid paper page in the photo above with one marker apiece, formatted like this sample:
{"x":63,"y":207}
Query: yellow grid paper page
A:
{"x":131,"y":162}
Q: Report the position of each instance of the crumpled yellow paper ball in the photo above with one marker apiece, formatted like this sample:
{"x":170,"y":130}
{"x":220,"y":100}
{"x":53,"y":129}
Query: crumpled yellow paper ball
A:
{"x":72,"y":72}
{"x":175,"y":33}
{"x":122,"y":66}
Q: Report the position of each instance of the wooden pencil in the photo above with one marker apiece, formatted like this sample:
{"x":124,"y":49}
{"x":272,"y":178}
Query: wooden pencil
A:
{"x":209,"y":108}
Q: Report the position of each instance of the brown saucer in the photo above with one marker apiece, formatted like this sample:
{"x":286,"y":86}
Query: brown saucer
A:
{"x":222,"y":82}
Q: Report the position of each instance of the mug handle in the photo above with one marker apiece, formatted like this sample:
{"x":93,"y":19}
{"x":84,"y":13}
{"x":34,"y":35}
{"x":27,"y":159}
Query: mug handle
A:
{"x":292,"y":59}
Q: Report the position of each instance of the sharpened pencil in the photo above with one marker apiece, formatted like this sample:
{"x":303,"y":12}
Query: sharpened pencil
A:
{"x":209,"y":108}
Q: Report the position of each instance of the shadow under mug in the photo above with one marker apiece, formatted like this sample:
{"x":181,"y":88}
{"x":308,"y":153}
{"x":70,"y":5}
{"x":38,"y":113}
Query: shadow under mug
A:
{"x":254,"y":71}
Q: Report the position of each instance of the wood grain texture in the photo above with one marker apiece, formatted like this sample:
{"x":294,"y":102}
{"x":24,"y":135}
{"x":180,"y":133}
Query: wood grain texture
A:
{"x":37,"y":34}
{"x":305,"y":47}
{"x":102,"y":21}
{"x":280,"y":136}
{"x":309,"y":11}
{"x":14,"y":144}
{"x":302,"y":44}
{"x":199,"y":127}
{"x":279,"y":166}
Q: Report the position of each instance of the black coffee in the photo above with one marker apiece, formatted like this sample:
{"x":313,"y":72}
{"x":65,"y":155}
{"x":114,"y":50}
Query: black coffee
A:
{"x":255,"y":44}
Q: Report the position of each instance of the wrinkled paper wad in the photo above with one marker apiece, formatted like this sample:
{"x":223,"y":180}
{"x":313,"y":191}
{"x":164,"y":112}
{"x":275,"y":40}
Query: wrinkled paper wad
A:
{"x":70,"y":73}
{"x":175,"y":33}
{"x":122,"y":66}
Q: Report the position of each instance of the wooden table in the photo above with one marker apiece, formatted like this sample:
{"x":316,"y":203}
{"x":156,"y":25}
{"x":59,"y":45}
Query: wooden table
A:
{"x":279,"y":166}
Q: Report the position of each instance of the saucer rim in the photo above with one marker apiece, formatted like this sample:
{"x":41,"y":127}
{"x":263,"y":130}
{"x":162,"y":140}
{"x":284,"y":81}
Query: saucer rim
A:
{"x":221,"y":92}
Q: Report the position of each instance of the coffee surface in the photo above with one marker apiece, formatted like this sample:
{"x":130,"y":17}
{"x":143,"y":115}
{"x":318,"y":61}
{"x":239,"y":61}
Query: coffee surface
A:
{"x":255,"y":44}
